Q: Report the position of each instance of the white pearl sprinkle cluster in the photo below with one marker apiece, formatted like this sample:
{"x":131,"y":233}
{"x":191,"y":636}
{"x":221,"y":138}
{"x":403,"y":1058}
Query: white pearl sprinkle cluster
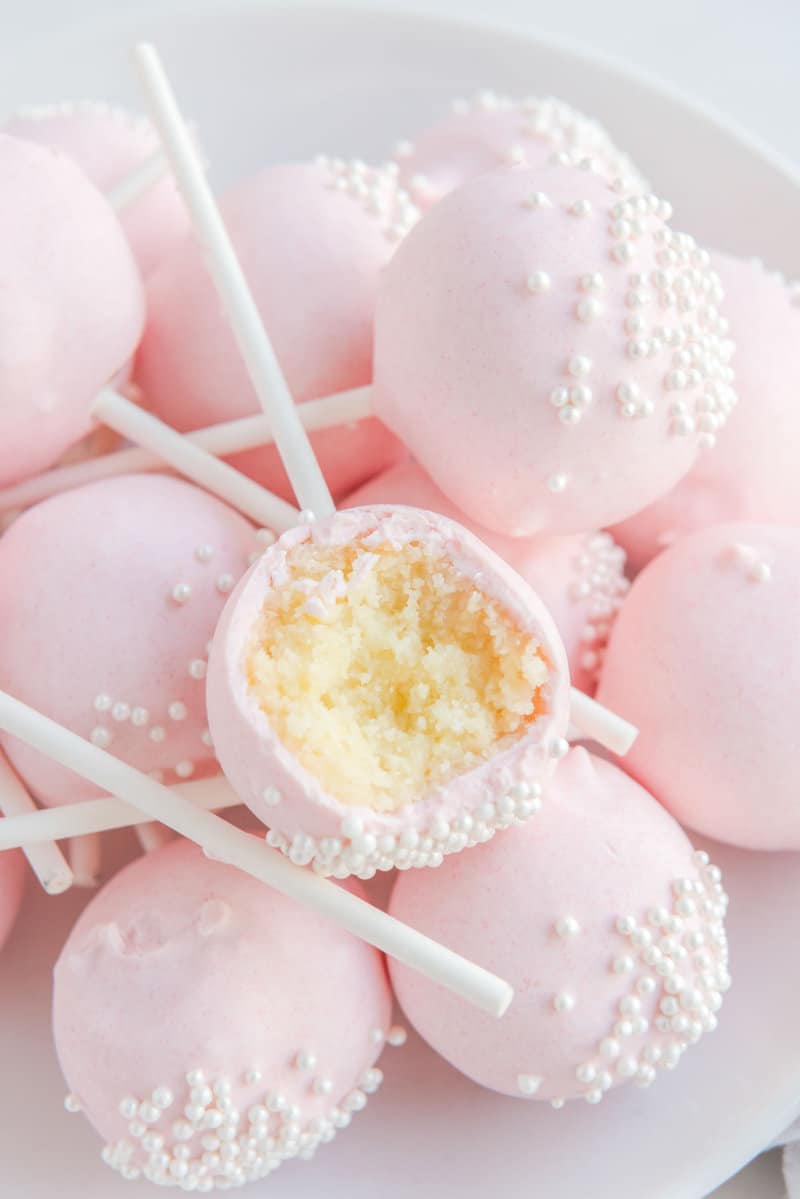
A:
{"x":600,"y":584}
{"x":377,"y":191}
{"x":677,"y":964}
{"x":199,"y":1140}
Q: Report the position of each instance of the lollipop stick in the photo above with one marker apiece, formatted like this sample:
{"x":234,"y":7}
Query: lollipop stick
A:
{"x":600,"y":724}
{"x":152,"y":835}
{"x":137,"y":182}
{"x":270,"y":385}
{"x":85,"y":856}
{"x":45,"y":859}
{"x":104,"y":815}
{"x":224,"y":842}
{"x":255,"y":501}
{"x":230,"y":437}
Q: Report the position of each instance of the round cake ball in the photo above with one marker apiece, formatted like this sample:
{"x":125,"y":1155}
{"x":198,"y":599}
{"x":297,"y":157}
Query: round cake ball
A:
{"x":704,"y":659}
{"x":383,"y":690}
{"x":108,"y":144}
{"x":12,"y":885}
{"x":312,"y":238}
{"x":750,"y":475}
{"x":607,"y":924}
{"x":113,"y":591}
{"x":71,"y":305}
{"x":494,"y":131}
{"x":208,"y":1027}
{"x":580,"y":576}
{"x":551,"y":353}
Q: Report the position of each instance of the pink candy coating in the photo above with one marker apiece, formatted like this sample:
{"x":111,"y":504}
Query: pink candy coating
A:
{"x":580,"y":577}
{"x":71,"y":306}
{"x":108,"y":144}
{"x":598,"y":893}
{"x":704,"y":658}
{"x":107,"y":639}
{"x":311,"y":250}
{"x":752,"y":473}
{"x":309,"y":824}
{"x":12,"y":886}
{"x":495,"y":131}
{"x":525,"y":345}
{"x":183,"y":966}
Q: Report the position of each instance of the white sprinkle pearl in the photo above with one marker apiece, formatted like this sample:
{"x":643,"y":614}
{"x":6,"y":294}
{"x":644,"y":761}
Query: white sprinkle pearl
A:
{"x":225,"y":583}
{"x":197,"y":668}
{"x":528,"y":1084}
{"x":140,"y":717}
{"x":579,"y":365}
{"x":557,"y":483}
{"x":538,"y":200}
{"x":181,"y":592}
{"x":102,"y":702}
{"x":120,"y":712}
{"x":563,"y":1001}
{"x":538,"y":281}
{"x":271,"y":796}
{"x":72,"y":1103}
{"x":580,"y":208}
{"x":101,"y":737}
{"x":567,"y":926}
{"x":204,"y":553}
{"x":184,"y":770}
{"x":177,"y":710}
{"x":397,"y":1036}
{"x":157,"y":734}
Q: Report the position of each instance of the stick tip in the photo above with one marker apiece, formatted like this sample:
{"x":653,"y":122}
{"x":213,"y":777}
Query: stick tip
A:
{"x":58,"y":883}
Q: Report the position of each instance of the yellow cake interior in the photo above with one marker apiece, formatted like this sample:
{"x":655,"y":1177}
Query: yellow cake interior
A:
{"x":386,"y":672}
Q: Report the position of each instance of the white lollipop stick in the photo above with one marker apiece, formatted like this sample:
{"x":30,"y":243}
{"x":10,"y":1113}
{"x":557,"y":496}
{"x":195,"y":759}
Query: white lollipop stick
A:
{"x":247,"y":433}
{"x":226,"y":843}
{"x":86,"y":856}
{"x":44,"y":858}
{"x":270,"y":385}
{"x":137,"y":182}
{"x":600,"y":724}
{"x":216,"y":476}
{"x":152,"y":835}
{"x":103,"y":815}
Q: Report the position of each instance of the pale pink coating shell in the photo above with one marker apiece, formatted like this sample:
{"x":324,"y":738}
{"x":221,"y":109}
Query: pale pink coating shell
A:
{"x":311,"y":252}
{"x":301,"y":815}
{"x":12,"y":886}
{"x":704,"y":658}
{"x":494,"y":131}
{"x":580,"y":577}
{"x":540,"y":906}
{"x":108,"y":144}
{"x":752,"y":472}
{"x":525,"y":340}
{"x":71,"y":306}
{"x":182,"y":964}
{"x":102,"y":642}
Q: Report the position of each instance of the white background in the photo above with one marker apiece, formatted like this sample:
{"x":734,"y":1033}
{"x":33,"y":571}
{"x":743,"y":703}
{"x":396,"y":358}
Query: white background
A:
{"x":737,"y":55}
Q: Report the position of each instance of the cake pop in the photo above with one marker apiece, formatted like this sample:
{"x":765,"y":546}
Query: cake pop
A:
{"x":113,"y":591}
{"x":609,"y":925}
{"x":209,"y":1028}
{"x":550,"y":351}
{"x":384,"y":690}
{"x":108,"y":143}
{"x":703,"y":654}
{"x":312,"y":238}
{"x":751,"y":475}
{"x":494,"y":131}
{"x":12,"y":885}
{"x":580,"y":577}
{"x":71,"y":310}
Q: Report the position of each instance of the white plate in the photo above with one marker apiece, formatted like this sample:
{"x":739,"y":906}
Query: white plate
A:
{"x":265,"y":85}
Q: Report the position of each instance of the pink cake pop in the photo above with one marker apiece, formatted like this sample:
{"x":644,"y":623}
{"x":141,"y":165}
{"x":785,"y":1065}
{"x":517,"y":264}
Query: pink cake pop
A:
{"x":494,"y":131}
{"x":383,"y":690}
{"x":550,"y":351}
{"x":704,"y":655}
{"x":113,"y":591}
{"x":580,"y":578}
{"x":109,"y":143}
{"x":609,"y":926}
{"x":71,"y":307}
{"x":12,"y":885}
{"x":751,"y":475}
{"x":209,"y":1028}
{"x":312,"y":239}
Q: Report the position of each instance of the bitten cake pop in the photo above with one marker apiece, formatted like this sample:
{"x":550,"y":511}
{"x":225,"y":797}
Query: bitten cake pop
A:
{"x":704,"y":654}
{"x":71,"y":306}
{"x":751,"y":475}
{"x":494,"y":131}
{"x":108,"y":144}
{"x":609,"y":925}
{"x":12,"y":885}
{"x":209,"y":1028}
{"x":383,"y":690}
{"x":113,"y":591}
{"x":580,"y":577}
{"x":311,"y":239}
{"x":551,"y":352}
